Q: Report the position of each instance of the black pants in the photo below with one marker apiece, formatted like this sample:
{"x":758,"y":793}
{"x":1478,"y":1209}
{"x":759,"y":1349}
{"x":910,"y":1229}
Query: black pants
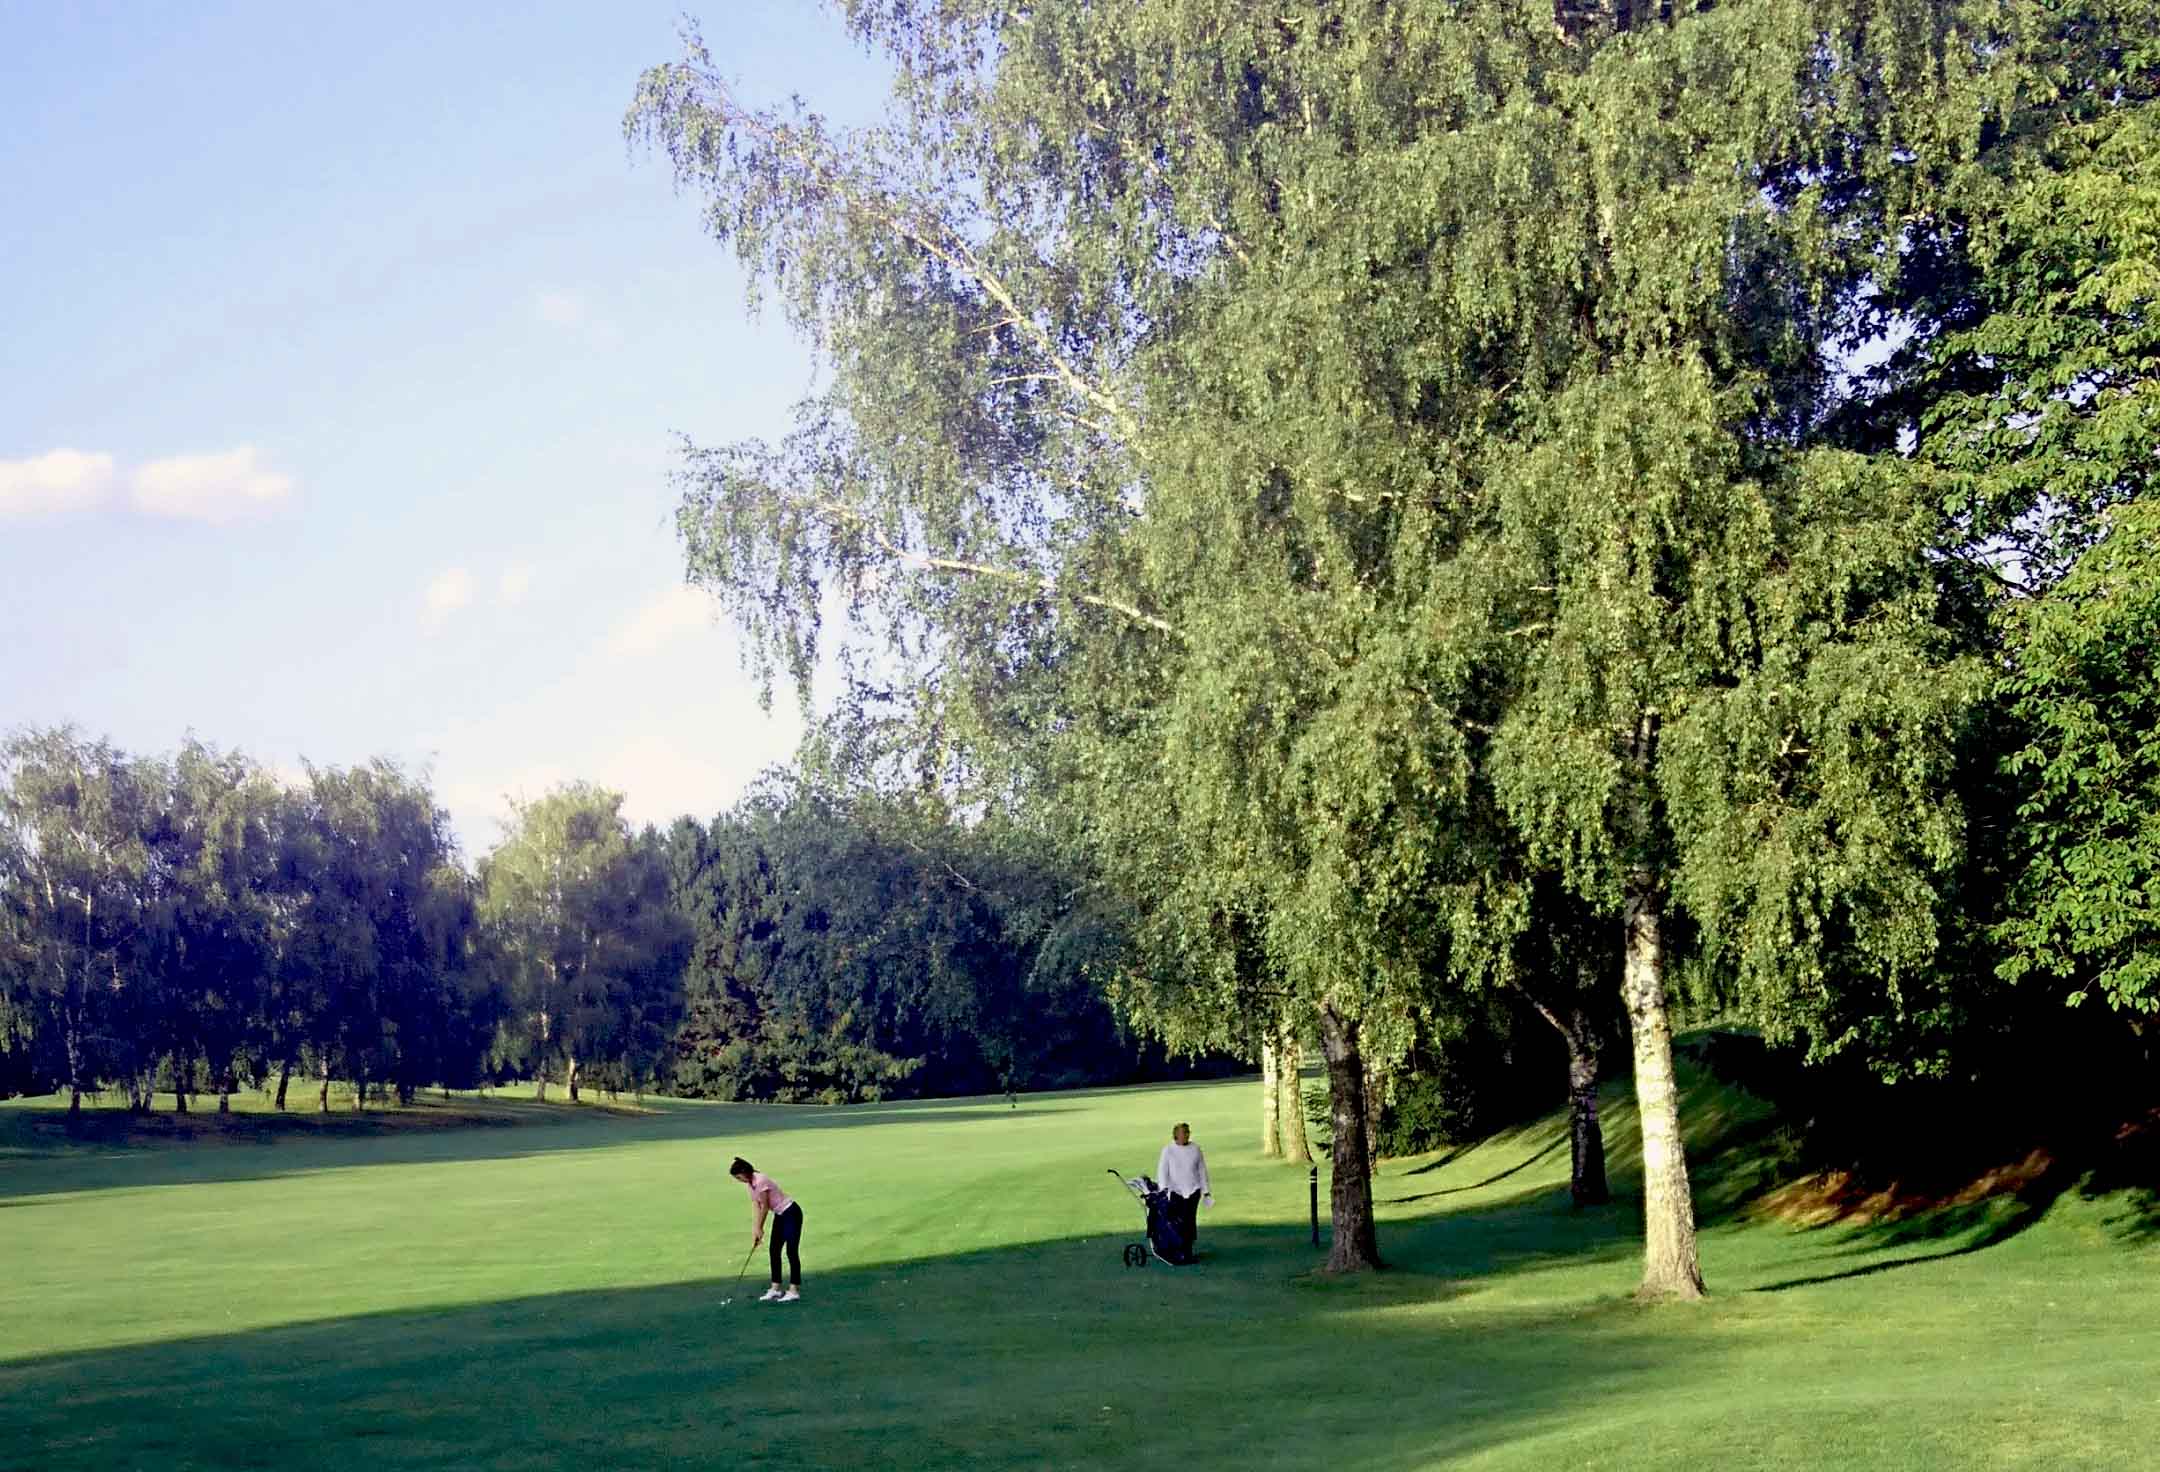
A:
{"x":1185,"y":1211}
{"x":786,"y":1231}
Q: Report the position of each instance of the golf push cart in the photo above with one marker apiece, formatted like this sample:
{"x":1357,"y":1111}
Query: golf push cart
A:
{"x":1164,"y":1235}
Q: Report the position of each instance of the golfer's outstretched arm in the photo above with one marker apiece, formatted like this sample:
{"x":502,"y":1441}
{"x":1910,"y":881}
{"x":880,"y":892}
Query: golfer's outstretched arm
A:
{"x":1201,"y":1156}
{"x":757,"y":1220}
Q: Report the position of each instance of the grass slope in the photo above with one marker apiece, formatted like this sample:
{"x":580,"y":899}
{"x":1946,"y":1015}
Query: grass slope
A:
{"x":302,"y":1294}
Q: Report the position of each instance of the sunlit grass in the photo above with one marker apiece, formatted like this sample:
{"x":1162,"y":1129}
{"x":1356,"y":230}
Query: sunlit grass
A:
{"x":551,"y":1291}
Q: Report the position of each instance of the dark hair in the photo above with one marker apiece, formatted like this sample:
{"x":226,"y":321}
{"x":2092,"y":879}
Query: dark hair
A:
{"x":741,"y":1167}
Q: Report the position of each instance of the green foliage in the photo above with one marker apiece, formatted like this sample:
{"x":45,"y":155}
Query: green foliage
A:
{"x":189,"y":924}
{"x":2084,"y":908}
{"x":74,"y":812}
{"x":2021,"y":316}
{"x":2021,"y":308}
{"x":852,"y":945}
{"x":1369,"y":464}
{"x":580,"y":909}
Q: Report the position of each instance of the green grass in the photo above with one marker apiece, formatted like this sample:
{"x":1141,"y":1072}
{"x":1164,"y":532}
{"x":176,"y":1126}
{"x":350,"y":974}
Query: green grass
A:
{"x":386,"y":1293}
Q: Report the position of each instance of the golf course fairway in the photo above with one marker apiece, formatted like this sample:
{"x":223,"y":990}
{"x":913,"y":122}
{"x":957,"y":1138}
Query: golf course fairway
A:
{"x":502,"y":1284}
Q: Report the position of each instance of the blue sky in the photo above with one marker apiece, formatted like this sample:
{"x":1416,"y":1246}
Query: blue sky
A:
{"x":341,"y":350}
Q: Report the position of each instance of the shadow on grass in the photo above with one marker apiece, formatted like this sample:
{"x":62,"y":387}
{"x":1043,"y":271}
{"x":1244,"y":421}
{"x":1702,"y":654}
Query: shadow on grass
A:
{"x":2110,"y":1175}
{"x":1740,"y":1149}
{"x":2128,"y":1176}
{"x":1050,"y":1354}
{"x":1966,"y":1229}
{"x":1448,"y":1157}
{"x":2120,"y":1184}
{"x":1532,"y":1231}
{"x":1493,"y":1179}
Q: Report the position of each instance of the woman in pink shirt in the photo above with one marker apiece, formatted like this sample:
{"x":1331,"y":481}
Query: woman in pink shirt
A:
{"x":767,"y":1199}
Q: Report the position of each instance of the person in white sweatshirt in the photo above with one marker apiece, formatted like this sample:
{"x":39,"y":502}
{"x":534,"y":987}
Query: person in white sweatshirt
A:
{"x":1182,"y":1172}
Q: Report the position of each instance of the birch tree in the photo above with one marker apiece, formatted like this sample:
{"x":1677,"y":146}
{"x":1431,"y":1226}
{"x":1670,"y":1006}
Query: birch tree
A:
{"x":74,"y":809}
{"x":1367,"y":447}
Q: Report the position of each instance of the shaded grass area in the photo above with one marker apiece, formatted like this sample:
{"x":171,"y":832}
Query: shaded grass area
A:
{"x":503,"y":1296}
{"x":1047,"y":1355}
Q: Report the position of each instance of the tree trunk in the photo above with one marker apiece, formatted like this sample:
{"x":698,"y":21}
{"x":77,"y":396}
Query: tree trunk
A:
{"x":359,"y":1091}
{"x":1355,"y":1246}
{"x":76,"y":1017}
{"x":1270,"y":1103}
{"x":570,"y":1077}
{"x":1586,"y":1134}
{"x":1290,"y":1099}
{"x":1671,"y":1267}
{"x":322,"y":1100}
{"x":284,"y":1077}
{"x":183,"y":1071}
{"x":71,"y":1030}
{"x":1375,"y":1101}
{"x":540,"y":1068}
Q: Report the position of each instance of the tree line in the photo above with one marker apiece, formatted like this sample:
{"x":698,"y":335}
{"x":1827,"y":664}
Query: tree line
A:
{"x":1620,"y":512}
{"x":195,"y":925}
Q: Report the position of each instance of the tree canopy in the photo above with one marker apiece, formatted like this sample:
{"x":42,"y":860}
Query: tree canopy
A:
{"x":1375,"y":457}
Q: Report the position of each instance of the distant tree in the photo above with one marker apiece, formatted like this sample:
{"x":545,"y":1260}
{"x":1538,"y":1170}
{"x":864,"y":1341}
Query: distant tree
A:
{"x":205,"y":955}
{"x":74,"y":811}
{"x":368,"y":854}
{"x":854,"y":943}
{"x":580,"y":911}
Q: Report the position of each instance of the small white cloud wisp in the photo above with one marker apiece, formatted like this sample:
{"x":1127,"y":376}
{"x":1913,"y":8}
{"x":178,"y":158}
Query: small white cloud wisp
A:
{"x":680,"y":611}
{"x":560,"y":308}
{"x":54,"y":483}
{"x":513,"y":585}
{"x":451,"y":590}
{"x":213,"y":488}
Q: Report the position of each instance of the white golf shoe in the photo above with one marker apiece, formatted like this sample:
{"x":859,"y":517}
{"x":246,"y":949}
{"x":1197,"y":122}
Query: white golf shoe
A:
{"x":770,"y":1295}
{"x":793,"y":1295}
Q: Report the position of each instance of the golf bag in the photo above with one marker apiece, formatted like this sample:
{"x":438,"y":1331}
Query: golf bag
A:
{"x":1164,"y":1235}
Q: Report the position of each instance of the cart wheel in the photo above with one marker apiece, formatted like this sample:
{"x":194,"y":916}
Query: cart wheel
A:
{"x":1136,"y":1254}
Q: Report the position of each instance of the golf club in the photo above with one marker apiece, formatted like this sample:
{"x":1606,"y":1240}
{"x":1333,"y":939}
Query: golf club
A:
{"x":738,"y":1276}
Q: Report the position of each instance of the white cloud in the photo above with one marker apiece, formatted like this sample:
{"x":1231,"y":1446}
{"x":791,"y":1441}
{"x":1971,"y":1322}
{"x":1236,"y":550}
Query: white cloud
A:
{"x":287,"y":774}
{"x":212,"y":488}
{"x":488,"y":802}
{"x":574,"y":315}
{"x":513,"y":585}
{"x":661,"y":779}
{"x":451,"y":590}
{"x":561,"y":308}
{"x":54,"y":482}
{"x":680,"y":610}
{"x":671,"y":747}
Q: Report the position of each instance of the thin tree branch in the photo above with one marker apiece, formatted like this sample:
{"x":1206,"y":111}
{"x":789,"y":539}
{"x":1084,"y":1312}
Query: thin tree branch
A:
{"x":987,"y":570}
{"x":936,"y":239}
